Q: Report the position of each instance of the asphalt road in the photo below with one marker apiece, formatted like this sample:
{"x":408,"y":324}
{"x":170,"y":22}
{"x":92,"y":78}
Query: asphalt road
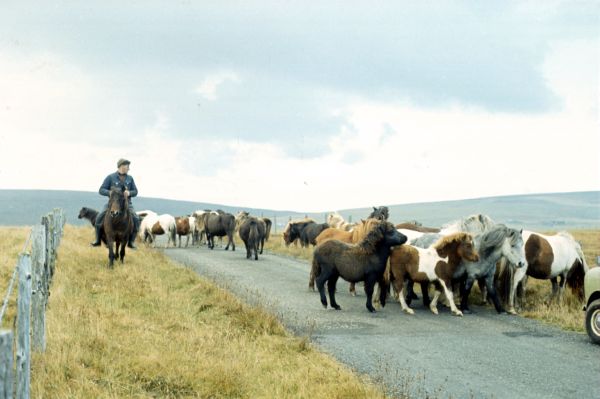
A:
{"x":482,"y":355}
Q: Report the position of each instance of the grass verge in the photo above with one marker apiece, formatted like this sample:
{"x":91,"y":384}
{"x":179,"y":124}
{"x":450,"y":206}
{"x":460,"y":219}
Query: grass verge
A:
{"x":151,"y":328}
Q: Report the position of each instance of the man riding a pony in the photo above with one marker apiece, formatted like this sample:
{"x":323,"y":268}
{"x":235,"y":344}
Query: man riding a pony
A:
{"x":120,"y":179}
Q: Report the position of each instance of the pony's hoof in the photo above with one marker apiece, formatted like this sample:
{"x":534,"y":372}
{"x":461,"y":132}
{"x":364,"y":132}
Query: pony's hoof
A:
{"x":458,"y":313}
{"x":512,"y":311}
{"x":434,"y":310}
{"x":409,"y":311}
{"x":337,"y":307}
{"x":467,"y":311}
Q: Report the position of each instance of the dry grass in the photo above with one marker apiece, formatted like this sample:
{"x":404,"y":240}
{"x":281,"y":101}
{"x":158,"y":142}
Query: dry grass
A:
{"x":153,"y":329}
{"x":567,"y":315}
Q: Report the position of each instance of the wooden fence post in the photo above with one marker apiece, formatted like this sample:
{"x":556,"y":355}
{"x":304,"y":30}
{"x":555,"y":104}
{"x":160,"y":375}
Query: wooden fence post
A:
{"x":6,"y":364}
{"x":23,"y":327}
{"x":39,"y":294}
{"x":48,"y":221}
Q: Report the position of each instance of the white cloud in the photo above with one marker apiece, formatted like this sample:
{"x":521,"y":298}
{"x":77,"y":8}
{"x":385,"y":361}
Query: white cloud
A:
{"x":53,"y":116}
{"x":209,"y":86}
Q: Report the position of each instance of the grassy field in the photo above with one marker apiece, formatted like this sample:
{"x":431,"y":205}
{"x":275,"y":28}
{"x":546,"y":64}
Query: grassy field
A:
{"x":154,"y":329}
{"x":568,"y":315}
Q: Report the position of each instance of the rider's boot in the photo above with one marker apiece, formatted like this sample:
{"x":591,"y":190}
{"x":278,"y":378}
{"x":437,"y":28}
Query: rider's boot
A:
{"x":98,"y":241}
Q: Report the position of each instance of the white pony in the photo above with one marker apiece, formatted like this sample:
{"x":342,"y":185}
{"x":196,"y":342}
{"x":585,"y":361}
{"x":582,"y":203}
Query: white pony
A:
{"x":549,"y":257}
{"x":474,"y":224}
{"x":337,"y":221}
{"x":153,"y":225}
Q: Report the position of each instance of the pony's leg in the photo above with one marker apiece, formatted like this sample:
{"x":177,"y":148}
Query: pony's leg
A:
{"x":517,"y":276}
{"x":489,"y":283}
{"x":369,"y":288}
{"x":465,"y":288}
{"x":561,"y":288}
{"x":111,"y":254}
{"x":425,"y":293}
{"x":410,"y":292}
{"x":433,"y":304}
{"x":482,"y":284}
{"x":399,"y":287}
{"x":248,"y":249}
{"x":449,"y":296}
{"x":554,"y":281}
{"x":321,"y":278}
{"x":122,"y":251}
{"x":331,"y":282}
{"x":352,"y":289}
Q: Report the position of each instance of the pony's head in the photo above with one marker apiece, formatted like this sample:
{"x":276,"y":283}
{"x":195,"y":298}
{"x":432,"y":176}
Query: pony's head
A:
{"x":83,"y":212}
{"x":513,"y":247}
{"x":334,"y":219}
{"x":381,"y":213}
{"x":381,"y":232}
{"x":117,"y":203}
{"x":457,"y":244}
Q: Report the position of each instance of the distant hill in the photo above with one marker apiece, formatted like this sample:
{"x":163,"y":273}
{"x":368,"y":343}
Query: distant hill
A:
{"x":578,"y":210}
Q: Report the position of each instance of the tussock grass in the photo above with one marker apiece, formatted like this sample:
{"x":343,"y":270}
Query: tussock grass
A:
{"x":151,"y":328}
{"x":567,"y":315}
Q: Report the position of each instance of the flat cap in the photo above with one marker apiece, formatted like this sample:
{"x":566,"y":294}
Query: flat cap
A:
{"x":122,"y":161}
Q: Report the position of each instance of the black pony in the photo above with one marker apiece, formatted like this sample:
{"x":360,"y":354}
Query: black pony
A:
{"x":364,"y":261}
{"x":253,"y":233}
{"x":381,"y":213}
{"x":91,"y":215}
{"x":118,"y":224}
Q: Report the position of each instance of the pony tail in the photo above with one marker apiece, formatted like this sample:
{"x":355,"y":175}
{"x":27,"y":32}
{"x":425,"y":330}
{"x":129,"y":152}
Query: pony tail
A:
{"x":315,"y":269}
{"x":387,"y":274}
{"x":577,"y":272}
{"x":575,"y":278}
{"x":253,"y":234}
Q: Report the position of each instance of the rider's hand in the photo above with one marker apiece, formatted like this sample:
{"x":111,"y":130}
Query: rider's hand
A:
{"x":126,"y":192}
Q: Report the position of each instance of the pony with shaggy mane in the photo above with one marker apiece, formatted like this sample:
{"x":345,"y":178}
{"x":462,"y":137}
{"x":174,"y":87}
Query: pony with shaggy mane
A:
{"x":364,"y":261}
{"x":336,"y":221}
{"x":349,"y":237}
{"x":436,"y":264}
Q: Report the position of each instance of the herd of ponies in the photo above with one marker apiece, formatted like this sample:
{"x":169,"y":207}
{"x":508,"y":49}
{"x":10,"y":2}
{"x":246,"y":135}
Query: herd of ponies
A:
{"x":395,"y":257}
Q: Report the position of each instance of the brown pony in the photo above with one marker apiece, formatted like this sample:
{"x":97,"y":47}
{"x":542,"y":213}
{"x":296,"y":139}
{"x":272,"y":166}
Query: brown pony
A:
{"x":434,"y":264}
{"x":351,"y":237}
{"x":417,"y":227}
{"x":364,"y":261}
{"x":183,"y":227}
{"x":118,"y":224}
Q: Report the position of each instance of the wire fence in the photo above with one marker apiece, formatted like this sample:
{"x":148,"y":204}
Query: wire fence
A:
{"x":34,"y":269}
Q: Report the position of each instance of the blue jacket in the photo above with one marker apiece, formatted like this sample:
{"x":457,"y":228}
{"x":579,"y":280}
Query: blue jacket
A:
{"x":113,"y":180}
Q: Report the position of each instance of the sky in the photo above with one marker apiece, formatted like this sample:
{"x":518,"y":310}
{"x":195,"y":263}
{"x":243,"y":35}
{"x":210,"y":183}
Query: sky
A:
{"x":304,"y":106}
